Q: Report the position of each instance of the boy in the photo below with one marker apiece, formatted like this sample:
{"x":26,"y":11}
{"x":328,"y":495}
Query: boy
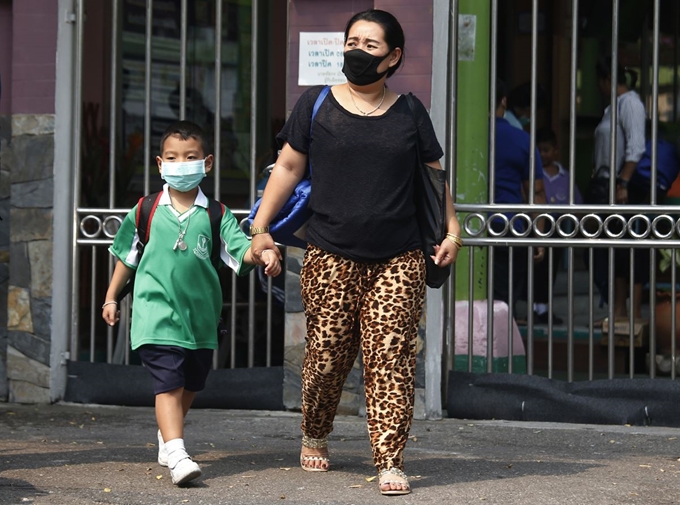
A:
{"x":556,"y":183}
{"x":177,"y":294}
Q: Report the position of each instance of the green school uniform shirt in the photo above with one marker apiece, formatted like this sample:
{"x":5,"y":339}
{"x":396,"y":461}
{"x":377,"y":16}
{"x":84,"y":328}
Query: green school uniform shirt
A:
{"x":177,"y":294}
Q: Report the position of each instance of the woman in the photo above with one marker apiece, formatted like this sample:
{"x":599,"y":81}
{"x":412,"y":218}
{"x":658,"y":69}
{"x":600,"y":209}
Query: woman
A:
{"x":630,"y":147}
{"x":363,"y":275}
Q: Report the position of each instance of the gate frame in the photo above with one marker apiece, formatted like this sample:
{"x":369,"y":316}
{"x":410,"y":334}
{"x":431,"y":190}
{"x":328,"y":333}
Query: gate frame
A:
{"x":63,"y":217}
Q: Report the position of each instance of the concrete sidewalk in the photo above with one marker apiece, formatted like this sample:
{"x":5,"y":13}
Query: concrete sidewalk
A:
{"x":76,"y":455}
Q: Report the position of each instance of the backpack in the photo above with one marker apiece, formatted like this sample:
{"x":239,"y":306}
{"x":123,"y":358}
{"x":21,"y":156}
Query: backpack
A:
{"x":146,"y":208}
{"x":667,"y":169}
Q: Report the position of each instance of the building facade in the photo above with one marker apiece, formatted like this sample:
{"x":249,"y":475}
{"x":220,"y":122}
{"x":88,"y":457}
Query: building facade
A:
{"x":87,"y":87}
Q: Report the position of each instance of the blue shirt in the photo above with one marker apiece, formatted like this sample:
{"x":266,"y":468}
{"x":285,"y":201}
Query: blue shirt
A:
{"x":513,"y":163}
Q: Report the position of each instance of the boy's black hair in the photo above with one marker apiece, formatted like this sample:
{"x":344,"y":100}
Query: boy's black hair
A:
{"x":501,"y":91}
{"x":186,"y":130}
{"x":521,"y":96}
{"x":546,"y":134}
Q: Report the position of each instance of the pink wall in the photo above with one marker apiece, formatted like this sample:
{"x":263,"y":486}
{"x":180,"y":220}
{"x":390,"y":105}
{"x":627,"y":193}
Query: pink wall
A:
{"x":415,"y":16}
{"x":6,"y":56}
{"x":34,"y":50}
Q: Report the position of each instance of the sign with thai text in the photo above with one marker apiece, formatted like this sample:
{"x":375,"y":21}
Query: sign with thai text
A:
{"x":321,"y":58}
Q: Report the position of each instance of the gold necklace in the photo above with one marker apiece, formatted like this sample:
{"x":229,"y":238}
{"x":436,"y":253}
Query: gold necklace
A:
{"x":371,"y":111}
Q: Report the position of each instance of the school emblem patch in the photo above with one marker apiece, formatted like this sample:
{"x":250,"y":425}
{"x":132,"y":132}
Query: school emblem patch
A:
{"x":202,"y":249}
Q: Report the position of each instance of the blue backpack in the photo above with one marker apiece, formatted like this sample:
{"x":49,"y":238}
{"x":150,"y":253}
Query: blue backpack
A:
{"x":668,"y":166}
{"x":290,"y":224}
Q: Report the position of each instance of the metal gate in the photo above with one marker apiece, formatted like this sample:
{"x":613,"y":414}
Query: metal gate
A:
{"x":167,"y":60}
{"x":583,"y":348}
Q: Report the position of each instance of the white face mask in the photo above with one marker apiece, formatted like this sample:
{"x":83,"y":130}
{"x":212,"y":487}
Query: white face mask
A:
{"x":183,"y":175}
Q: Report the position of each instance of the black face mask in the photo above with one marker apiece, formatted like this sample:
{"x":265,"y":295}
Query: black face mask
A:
{"x":361,"y":68}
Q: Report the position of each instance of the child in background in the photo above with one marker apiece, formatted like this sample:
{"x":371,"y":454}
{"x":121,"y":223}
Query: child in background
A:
{"x":177,"y":293}
{"x":556,"y":183}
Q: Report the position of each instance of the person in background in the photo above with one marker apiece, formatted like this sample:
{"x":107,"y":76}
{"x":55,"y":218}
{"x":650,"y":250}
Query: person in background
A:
{"x":363,"y":274}
{"x":518,"y":110}
{"x":556,"y":184}
{"x":513,"y":178}
{"x":630,"y":148}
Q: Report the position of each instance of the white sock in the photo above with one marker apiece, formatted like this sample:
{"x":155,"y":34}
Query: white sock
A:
{"x":540,"y":308}
{"x":176,"y":451}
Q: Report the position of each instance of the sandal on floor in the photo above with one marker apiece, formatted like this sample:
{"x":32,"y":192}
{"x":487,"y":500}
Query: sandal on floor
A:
{"x":386,"y":477}
{"x":306,"y":459}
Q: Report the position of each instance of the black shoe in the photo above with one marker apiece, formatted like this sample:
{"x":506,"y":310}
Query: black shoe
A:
{"x":543,"y":318}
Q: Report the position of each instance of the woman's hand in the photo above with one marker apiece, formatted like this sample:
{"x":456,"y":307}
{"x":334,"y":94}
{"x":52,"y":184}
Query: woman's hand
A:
{"x":621,"y":195}
{"x":260,"y":243}
{"x":539,"y":254}
{"x":445,"y":253}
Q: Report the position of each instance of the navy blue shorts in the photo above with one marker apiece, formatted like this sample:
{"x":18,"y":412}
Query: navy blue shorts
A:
{"x":175,"y":367}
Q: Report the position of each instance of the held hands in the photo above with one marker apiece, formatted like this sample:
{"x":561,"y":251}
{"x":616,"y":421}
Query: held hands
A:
{"x":110,"y":313}
{"x":261,"y":243}
{"x":272,"y":263}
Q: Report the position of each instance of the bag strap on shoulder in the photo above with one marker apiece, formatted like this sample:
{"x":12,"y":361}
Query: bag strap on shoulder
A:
{"x":412,"y":107}
{"x":317,"y":106}
{"x":146,"y":207}
{"x":215,"y":213}
{"x":145,"y":210}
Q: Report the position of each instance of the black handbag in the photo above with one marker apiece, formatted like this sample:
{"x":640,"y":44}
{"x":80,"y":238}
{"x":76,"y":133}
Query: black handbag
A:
{"x":429,"y":194}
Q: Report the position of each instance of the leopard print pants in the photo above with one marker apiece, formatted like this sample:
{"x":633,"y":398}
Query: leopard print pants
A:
{"x":375,"y":307}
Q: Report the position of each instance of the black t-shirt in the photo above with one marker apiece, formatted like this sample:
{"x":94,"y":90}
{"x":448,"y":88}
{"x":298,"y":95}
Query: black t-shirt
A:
{"x":362,"y":176}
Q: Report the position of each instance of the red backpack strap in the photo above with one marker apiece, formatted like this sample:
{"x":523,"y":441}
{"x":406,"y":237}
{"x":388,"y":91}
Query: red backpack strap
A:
{"x":145,"y":211}
{"x":146,"y":207}
{"x":215,"y":213}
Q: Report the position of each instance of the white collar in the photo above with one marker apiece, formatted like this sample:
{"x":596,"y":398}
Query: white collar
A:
{"x":201,"y":200}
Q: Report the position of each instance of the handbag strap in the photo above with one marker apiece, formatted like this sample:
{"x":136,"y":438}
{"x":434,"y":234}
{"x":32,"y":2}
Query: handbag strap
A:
{"x":411,"y":106}
{"x":317,"y":105}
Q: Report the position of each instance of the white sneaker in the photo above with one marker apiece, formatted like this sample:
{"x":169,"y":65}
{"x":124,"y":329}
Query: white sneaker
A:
{"x":162,"y":451}
{"x":185,"y":470}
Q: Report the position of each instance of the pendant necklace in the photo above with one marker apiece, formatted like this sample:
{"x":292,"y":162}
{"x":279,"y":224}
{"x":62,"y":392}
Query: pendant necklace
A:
{"x":180,"y":243}
{"x":371,"y":111}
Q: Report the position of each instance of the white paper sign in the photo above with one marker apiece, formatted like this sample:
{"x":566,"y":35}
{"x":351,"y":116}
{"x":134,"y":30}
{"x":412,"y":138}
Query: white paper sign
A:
{"x":321,"y":58}
{"x":467,"y":31}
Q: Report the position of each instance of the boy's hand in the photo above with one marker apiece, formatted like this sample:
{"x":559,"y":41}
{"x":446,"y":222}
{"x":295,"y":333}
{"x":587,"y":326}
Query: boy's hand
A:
{"x":110,"y":313}
{"x":259,"y":244}
{"x":272,"y":265}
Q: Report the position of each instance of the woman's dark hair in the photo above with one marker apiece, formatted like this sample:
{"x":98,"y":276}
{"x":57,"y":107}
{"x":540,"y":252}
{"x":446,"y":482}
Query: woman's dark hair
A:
{"x":394,"y":34}
{"x":604,"y":71}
